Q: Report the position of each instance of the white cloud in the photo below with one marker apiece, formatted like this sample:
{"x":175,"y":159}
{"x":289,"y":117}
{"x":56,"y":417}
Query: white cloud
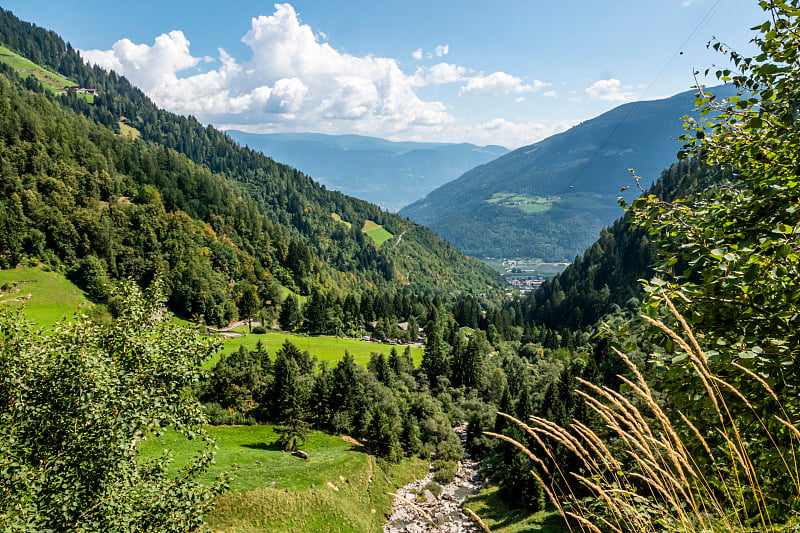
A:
{"x":106,"y":59}
{"x":497,"y":83}
{"x":550,"y":94}
{"x":296,"y":81}
{"x":293,"y":80}
{"x":610,"y":90}
{"x":147,"y":66}
{"x":439,"y":74}
{"x":519,"y":100}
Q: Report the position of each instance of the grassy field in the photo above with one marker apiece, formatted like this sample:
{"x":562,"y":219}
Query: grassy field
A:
{"x":370,"y":225}
{"x":489,"y":505}
{"x":326,"y":348}
{"x":52,"y":299}
{"x":376,"y":232}
{"x":51,"y":80}
{"x":128,"y":131}
{"x":339,"y":487}
{"x":527,"y":204}
{"x":379,"y":235}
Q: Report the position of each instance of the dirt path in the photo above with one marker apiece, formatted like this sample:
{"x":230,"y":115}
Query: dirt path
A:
{"x":400,"y":237}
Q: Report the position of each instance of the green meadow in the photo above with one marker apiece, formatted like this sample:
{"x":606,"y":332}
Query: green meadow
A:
{"x":325,"y":348}
{"x":51,"y":80}
{"x":490,"y":505}
{"x":338,"y":488}
{"x":355,"y":504}
{"x":47,"y":297}
{"x":527,"y":204}
{"x":376,"y":232}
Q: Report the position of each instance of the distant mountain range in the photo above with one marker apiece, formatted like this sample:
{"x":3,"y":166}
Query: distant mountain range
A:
{"x":390,"y":174}
{"x":549,"y":200}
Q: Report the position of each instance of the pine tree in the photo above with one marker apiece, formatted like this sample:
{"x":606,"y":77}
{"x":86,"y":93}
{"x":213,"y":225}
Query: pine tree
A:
{"x":382,"y":436}
{"x":433,"y":356}
{"x":473,"y":363}
{"x":321,"y":396}
{"x":291,"y":316}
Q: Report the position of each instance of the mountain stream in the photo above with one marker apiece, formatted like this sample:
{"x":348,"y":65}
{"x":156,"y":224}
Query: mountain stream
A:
{"x":445,"y":511}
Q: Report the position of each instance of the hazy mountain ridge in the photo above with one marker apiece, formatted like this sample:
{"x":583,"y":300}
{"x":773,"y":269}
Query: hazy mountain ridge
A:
{"x":390,"y":174}
{"x":575,"y":175}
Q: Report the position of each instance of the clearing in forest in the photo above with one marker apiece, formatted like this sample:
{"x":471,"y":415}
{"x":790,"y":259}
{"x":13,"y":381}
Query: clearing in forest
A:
{"x":527,"y":204}
{"x":376,"y":232}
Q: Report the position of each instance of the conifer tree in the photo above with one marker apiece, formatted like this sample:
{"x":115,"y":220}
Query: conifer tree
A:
{"x":433,"y":362}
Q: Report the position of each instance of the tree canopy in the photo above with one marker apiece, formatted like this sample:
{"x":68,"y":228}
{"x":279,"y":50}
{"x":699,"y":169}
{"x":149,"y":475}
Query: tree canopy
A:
{"x":74,"y":407}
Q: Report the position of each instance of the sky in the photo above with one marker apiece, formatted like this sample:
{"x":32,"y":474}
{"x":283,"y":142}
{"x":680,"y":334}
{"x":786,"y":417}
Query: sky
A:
{"x":508,"y":72}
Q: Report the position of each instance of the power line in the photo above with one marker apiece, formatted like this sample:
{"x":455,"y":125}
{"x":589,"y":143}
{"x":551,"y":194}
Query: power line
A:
{"x":658,"y":76}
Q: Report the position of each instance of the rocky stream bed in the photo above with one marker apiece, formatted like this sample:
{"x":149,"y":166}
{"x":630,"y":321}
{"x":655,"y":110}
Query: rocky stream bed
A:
{"x":445,"y":510}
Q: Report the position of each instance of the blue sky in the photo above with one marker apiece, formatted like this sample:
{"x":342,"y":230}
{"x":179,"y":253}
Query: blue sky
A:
{"x":506,"y":72}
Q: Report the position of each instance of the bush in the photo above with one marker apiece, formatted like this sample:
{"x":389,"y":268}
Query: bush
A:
{"x":445,"y":471}
{"x":219,"y":416}
{"x":259,"y":330}
{"x":435,"y":488}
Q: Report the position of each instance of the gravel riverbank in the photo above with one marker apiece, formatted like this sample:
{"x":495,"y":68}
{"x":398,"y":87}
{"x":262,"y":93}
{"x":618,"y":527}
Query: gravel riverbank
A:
{"x":446,"y":510}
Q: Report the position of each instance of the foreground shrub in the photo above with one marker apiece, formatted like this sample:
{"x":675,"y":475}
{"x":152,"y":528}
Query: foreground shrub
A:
{"x":667,"y":476}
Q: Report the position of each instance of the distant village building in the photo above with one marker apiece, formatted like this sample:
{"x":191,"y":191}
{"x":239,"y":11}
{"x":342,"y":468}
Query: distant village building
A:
{"x":525,"y":283}
{"x":82,"y":90}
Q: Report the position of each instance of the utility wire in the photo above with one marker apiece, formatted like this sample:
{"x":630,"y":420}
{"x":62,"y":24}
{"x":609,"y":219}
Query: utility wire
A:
{"x":658,"y":76}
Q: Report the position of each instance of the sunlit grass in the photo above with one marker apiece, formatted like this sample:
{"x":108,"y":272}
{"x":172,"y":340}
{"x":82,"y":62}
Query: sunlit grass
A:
{"x":52,"y":80}
{"x":326,"y":348}
{"x":52,"y":299}
{"x":335,"y":489}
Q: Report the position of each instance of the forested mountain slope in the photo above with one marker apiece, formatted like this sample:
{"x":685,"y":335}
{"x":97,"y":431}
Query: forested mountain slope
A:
{"x":607,"y":276}
{"x":76,"y":182}
{"x":549,"y":200}
{"x":389,"y":174}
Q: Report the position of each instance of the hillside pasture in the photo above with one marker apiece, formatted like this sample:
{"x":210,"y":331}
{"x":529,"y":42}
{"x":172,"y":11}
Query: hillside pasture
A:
{"x":376,"y":232}
{"x":526,"y":204}
{"x":52,"y":81}
{"x":128,"y":131}
{"x":325,"y":348}
{"x":47,"y":297}
{"x":338,"y":488}
{"x":337,"y":218}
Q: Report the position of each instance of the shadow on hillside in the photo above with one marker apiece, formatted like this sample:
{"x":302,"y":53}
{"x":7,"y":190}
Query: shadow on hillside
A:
{"x":272,"y":446}
{"x":357,"y":448}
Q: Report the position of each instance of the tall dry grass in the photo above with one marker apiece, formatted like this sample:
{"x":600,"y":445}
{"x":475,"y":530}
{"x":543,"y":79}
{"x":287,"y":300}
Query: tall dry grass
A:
{"x":661,"y":473}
